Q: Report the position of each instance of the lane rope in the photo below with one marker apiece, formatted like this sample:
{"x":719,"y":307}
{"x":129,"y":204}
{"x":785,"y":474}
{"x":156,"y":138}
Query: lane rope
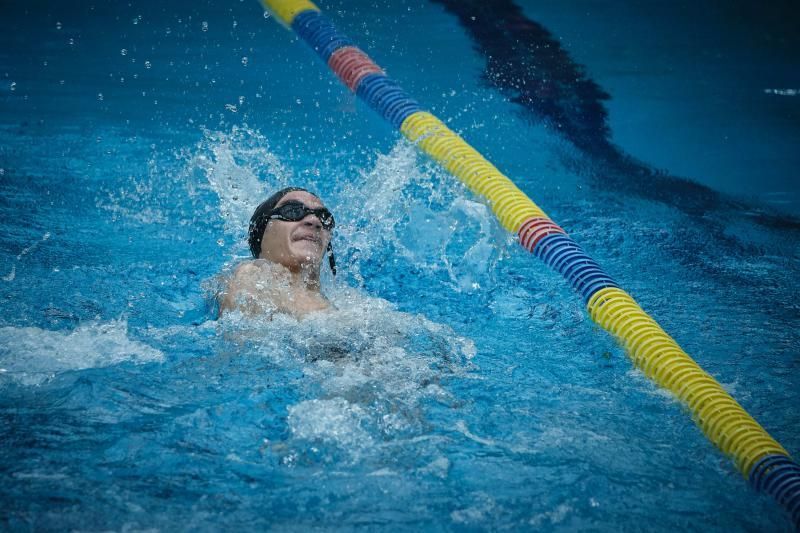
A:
{"x":756,"y":454}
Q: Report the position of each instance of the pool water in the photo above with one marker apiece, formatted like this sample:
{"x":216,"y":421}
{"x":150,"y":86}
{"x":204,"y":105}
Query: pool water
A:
{"x":459,"y":384}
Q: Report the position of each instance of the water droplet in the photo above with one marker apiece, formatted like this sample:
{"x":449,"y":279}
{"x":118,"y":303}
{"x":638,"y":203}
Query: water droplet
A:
{"x":244,"y":61}
{"x":58,"y":25}
{"x":205,"y":26}
{"x":123,"y":52}
{"x":147,"y":64}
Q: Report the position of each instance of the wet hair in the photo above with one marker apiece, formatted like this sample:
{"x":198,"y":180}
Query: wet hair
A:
{"x":260,"y":219}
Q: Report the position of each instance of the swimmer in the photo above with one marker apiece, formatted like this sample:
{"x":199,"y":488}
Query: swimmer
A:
{"x":290,"y":233}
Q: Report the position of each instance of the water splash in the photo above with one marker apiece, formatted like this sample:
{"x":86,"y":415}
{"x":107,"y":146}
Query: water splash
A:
{"x":240,"y":169}
{"x":367,"y":369}
{"x":409,"y":209}
{"x":32,"y":356}
{"x":406,"y":209}
{"x":11,"y":275}
{"x":783,"y":92}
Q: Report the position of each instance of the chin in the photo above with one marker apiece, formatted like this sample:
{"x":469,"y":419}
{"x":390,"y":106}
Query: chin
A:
{"x":306,"y":259}
{"x":307,"y":250}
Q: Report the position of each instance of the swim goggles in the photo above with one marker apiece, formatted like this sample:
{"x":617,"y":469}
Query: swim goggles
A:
{"x":292,"y":211}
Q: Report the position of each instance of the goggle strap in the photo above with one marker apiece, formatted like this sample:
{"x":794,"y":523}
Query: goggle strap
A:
{"x":331,"y":260}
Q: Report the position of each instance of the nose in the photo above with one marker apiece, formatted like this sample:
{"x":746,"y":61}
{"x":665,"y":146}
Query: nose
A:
{"x":312,"y":220}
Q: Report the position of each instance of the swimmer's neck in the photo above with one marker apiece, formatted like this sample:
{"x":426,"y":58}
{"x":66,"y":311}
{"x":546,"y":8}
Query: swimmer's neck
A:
{"x":306,"y":280}
{"x":301,"y":277}
{"x":303,"y":295}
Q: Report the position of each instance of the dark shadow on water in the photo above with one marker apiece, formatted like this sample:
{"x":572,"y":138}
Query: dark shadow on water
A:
{"x":525,"y":62}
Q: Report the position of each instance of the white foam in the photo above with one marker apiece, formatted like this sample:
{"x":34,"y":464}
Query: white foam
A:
{"x":554,"y":516}
{"x":334,"y":420}
{"x":370,"y":365}
{"x":31,"y":356}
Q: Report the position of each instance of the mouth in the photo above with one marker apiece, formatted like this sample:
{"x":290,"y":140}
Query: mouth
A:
{"x":310,"y":238}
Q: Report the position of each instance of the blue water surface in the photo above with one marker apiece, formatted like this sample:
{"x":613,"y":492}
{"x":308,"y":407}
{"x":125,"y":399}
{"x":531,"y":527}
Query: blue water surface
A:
{"x":460,"y":385}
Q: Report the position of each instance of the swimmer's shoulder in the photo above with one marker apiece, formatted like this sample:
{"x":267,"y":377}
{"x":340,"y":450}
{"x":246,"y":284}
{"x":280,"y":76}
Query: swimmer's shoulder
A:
{"x":251,"y":268}
{"x":246,"y":286}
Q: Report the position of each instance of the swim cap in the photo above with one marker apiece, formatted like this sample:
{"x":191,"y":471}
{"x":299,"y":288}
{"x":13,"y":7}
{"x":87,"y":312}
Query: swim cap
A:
{"x":260,"y":219}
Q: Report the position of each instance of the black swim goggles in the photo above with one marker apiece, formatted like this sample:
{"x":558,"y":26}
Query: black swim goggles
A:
{"x":293,"y":211}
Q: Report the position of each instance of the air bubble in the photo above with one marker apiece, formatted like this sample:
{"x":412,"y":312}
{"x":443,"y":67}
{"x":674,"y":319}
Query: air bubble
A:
{"x":147,"y":64}
{"x":58,"y":25}
{"x":244,"y":61}
{"x":205,"y":26}
{"x":123,"y":52}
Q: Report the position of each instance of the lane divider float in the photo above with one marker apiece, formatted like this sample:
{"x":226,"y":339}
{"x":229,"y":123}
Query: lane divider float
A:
{"x":756,"y":454}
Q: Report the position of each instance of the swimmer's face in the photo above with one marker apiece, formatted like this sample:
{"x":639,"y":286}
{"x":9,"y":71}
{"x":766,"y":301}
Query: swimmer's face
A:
{"x":296,"y":245}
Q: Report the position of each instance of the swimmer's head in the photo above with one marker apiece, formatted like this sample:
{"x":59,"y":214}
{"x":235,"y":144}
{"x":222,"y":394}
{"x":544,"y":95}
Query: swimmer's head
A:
{"x":293,"y":228}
